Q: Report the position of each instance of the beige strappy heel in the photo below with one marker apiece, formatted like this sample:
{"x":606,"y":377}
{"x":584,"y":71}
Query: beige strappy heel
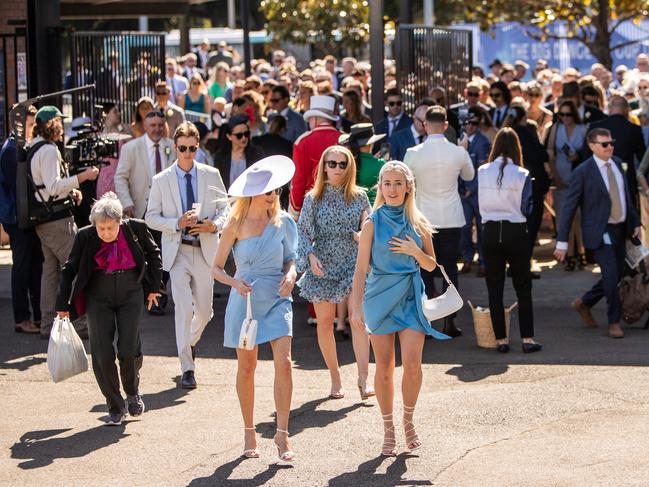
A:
{"x":412,"y":439}
{"x":285,"y":456}
{"x":252,"y":452}
{"x":389,"y":448}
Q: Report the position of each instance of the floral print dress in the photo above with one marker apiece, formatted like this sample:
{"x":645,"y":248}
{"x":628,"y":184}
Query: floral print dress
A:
{"x":326,"y":228}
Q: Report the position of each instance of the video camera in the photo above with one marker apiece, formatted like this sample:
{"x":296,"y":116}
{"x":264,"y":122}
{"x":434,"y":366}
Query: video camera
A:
{"x":88,"y":147}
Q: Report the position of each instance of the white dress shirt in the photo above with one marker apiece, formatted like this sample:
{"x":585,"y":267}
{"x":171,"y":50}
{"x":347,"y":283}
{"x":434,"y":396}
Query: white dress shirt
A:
{"x":436,"y":165}
{"x":150,"y":150}
{"x":416,"y":134}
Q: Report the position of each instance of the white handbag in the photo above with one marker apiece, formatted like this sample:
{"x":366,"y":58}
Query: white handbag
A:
{"x":248,"y":335}
{"x":445,"y":304}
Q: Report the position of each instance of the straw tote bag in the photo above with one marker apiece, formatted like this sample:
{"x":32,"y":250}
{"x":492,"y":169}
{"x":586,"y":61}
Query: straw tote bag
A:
{"x":445,"y":304}
{"x":248,"y":335}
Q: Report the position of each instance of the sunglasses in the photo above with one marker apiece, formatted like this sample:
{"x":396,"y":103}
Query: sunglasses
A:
{"x":473,"y":94}
{"x":161,"y":93}
{"x":155,"y":114}
{"x":274,"y":191}
{"x":565,"y":114}
{"x":333,"y":164}
{"x":195,"y":83}
{"x":241,"y":135}
{"x":606,"y":143}
{"x":275,"y":100}
{"x":395,"y":103}
{"x":184,"y":148}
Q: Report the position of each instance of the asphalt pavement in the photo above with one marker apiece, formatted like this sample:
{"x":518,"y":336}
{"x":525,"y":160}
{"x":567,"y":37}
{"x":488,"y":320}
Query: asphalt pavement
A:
{"x":575,"y":414}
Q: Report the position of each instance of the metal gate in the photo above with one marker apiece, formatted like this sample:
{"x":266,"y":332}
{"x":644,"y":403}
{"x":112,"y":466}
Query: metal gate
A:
{"x":429,"y":57}
{"x":13,"y":75}
{"x":123,"y":65}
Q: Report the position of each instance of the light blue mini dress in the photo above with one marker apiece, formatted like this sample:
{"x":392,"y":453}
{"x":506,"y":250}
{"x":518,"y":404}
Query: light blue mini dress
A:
{"x":259,"y":261}
{"x":394,"y":288}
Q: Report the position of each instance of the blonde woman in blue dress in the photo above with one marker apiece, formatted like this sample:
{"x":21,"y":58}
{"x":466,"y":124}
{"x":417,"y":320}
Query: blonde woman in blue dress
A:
{"x":328,"y":231}
{"x":395,"y":242}
{"x":263,"y":240}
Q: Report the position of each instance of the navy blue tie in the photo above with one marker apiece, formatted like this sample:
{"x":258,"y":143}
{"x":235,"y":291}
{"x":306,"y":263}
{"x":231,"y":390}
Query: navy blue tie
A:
{"x":190,"y":193}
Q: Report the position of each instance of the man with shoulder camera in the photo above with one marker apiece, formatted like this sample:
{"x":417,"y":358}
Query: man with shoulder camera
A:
{"x":53,"y":186}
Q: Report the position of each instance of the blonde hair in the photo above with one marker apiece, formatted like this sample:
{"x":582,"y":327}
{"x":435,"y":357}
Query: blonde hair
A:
{"x":350,"y":189}
{"x":240,"y":210}
{"x":420,"y":223}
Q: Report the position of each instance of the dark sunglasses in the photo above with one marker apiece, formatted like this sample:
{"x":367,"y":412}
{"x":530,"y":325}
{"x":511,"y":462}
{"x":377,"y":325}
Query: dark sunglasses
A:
{"x":274,"y":191}
{"x":241,"y":135}
{"x":161,"y":93}
{"x":195,"y":83}
{"x":474,"y":94}
{"x":565,"y":114}
{"x":606,"y":143}
{"x":184,"y":148}
{"x":495,"y":95}
{"x":333,"y":164}
{"x":155,"y":114}
{"x":395,"y":103}
{"x":275,"y":100}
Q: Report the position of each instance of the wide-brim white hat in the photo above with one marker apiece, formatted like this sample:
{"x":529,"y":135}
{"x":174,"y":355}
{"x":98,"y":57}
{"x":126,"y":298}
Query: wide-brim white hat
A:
{"x":321,"y":106}
{"x":263,"y":176}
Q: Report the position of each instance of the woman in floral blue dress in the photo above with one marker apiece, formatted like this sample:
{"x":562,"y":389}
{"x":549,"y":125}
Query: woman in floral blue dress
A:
{"x":328,"y":230}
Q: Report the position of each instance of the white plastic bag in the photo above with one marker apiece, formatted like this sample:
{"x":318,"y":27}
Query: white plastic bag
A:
{"x":66,"y":356}
{"x":248,"y":335}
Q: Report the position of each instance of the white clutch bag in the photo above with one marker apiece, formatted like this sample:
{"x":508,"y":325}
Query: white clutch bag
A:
{"x":248,"y":335}
{"x":444,"y":305}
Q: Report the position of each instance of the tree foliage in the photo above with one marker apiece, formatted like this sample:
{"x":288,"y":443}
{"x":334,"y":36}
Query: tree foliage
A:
{"x":592,"y":22}
{"x":324,"y":23}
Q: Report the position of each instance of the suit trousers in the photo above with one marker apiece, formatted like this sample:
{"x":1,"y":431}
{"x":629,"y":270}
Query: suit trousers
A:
{"x":162,"y":300}
{"x":610,"y":259}
{"x":471,"y":211}
{"x":114,"y":305}
{"x":26,"y":270}
{"x":535,"y":219}
{"x":192,"y":290}
{"x":446,"y":243}
{"x":57,"y":238}
{"x":506,"y":242}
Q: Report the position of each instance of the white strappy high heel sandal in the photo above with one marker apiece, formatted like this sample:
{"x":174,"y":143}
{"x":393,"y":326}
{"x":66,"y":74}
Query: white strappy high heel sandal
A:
{"x":412,"y":438}
{"x":285,"y":456}
{"x":389,"y":448}
{"x":252,"y":452}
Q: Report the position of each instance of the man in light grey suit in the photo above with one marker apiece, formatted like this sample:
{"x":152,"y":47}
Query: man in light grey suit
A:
{"x":139,"y":161}
{"x":295,"y":124}
{"x":188,"y":204}
{"x":173,"y":113}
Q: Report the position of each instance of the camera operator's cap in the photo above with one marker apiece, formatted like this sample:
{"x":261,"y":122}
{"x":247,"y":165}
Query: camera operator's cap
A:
{"x":47,"y":113}
{"x":263,"y":176}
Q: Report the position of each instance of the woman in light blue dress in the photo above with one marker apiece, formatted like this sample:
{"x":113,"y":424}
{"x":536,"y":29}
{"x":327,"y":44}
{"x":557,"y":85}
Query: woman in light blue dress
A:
{"x":263,"y":240}
{"x":395,"y":242}
{"x":328,"y":229}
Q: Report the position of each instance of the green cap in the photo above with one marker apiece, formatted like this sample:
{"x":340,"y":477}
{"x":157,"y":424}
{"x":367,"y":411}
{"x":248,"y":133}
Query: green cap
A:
{"x":47,"y":113}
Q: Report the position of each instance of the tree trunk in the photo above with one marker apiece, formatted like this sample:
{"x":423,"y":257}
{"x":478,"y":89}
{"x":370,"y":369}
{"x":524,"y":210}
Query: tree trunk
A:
{"x":600,"y":47}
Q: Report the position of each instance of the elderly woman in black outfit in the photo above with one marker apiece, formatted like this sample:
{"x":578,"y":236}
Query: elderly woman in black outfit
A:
{"x":237,"y":152}
{"x":113,"y":264}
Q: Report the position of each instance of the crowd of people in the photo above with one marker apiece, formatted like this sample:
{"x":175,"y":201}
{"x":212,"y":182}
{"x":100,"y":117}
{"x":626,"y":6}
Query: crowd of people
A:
{"x":292,"y":176}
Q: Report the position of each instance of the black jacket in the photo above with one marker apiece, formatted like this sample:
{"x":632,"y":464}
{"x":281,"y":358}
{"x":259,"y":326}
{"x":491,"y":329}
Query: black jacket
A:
{"x":223,"y":159}
{"x":77,"y":271}
{"x":534,"y":157}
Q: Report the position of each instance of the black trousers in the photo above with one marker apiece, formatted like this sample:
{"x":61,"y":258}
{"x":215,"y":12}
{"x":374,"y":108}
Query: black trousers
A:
{"x":610,"y":258}
{"x":535,"y":219}
{"x":162,"y":300}
{"x":446,"y":243}
{"x":505,"y":242}
{"x":114,"y":304}
{"x":26,"y":271}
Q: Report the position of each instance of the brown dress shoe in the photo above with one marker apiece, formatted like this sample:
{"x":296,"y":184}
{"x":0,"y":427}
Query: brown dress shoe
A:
{"x":584,"y":312}
{"x":615,"y":331}
{"x":26,"y":327}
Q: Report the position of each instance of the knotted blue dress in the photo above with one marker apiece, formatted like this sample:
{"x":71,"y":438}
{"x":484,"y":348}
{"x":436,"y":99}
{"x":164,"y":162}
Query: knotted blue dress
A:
{"x":394,"y":288}
{"x":260,"y":261}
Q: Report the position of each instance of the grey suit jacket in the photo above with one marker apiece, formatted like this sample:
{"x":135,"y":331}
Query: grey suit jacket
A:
{"x":134,"y":172}
{"x":174,"y":116}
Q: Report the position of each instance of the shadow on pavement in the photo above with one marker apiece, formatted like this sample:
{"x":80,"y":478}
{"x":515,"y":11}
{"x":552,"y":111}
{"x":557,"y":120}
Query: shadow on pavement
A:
{"x":22,"y":364}
{"x":221,"y":474}
{"x":366,"y":474}
{"x":477,"y":372}
{"x":159,"y":400}
{"x":39,"y":448}
{"x":308,"y":416}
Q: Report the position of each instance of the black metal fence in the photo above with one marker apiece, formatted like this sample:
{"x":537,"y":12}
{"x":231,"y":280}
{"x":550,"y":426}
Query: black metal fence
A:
{"x":429,"y":57}
{"x":13,"y":75}
{"x":123,"y":65}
